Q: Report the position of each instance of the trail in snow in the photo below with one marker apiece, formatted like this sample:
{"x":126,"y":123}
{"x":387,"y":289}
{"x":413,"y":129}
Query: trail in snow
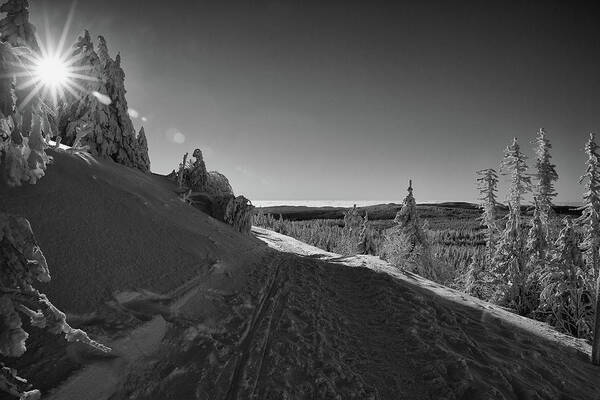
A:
{"x":314,"y":325}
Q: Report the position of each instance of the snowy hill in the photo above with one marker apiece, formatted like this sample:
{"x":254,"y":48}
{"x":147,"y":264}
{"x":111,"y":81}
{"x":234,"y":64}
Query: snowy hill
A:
{"x":194,"y":310}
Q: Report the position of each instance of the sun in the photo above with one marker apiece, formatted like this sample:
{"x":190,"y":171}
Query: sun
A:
{"x":51,"y":71}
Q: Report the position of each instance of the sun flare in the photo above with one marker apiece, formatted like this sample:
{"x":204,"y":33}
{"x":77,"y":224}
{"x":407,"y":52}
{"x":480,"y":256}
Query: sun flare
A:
{"x":52,"y":71}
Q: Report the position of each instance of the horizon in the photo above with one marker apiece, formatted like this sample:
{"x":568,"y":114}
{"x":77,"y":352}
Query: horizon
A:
{"x":365,"y":203}
{"x":355,"y":99}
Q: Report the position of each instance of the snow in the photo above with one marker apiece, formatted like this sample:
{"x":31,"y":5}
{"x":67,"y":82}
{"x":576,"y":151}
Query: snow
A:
{"x":225,"y":316}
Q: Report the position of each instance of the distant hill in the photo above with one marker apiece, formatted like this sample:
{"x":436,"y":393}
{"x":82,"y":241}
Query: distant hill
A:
{"x":388,"y":211}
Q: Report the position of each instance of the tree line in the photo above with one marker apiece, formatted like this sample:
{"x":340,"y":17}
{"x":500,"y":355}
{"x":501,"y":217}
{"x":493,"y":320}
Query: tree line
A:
{"x":532,"y":268}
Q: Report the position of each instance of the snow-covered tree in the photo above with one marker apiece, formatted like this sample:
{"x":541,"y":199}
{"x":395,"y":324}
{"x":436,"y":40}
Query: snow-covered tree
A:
{"x":349,"y":242}
{"x":238,"y":213}
{"x":366,"y":244}
{"x":545,"y":175}
{"x":509,"y":265}
{"x":218,"y":185}
{"x":181,"y":172}
{"x":537,"y":250}
{"x":24,"y":264}
{"x":16,"y":29}
{"x":197,"y":173}
{"x":406,"y":245}
{"x":590,"y":222}
{"x":487,"y":183}
{"x":192,"y":174}
{"x":143,"y":160}
{"x":476,"y":283}
{"x":514,"y":165}
{"x":352,"y":219}
{"x":566,"y":295}
{"x":103,"y":107}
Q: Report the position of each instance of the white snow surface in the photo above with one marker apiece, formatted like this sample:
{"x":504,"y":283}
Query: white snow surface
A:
{"x":288,"y":244}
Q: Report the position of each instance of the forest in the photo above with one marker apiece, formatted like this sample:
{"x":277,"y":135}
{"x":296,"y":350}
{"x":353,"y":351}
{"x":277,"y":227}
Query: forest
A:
{"x":538,"y":260}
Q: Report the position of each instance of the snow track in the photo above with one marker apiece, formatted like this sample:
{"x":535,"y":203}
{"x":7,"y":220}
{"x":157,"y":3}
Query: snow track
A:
{"x":314,"y":325}
{"x":245,"y":366}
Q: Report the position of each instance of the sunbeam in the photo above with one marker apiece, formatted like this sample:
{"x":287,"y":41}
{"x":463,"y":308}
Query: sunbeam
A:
{"x":51,"y":69}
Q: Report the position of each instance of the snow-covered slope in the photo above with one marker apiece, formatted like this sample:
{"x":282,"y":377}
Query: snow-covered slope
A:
{"x":105,"y":228}
{"x":197,"y":311}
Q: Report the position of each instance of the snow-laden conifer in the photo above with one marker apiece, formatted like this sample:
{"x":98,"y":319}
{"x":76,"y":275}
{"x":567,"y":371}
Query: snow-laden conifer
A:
{"x":590,"y":222}
{"x":509,"y":265}
{"x":514,"y":165}
{"x":537,"y":250}
{"x":566,"y":295}
{"x":366,"y":243}
{"x":406,"y":245}
{"x":487,"y":183}
{"x":545,"y":175}
{"x":476,"y":283}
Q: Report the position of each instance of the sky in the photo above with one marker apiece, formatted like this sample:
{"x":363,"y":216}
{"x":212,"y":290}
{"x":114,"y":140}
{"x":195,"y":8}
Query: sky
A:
{"x":348,"y":100}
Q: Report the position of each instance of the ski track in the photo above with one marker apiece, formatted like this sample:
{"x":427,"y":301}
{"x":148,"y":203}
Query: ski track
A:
{"x":314,"y":325}
{"x":264,"y":311}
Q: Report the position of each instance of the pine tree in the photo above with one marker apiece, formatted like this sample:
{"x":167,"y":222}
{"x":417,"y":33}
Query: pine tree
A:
{"x":406,"y":245}
{"x":545,"y":175}
{"x":566,"y":293}
{"x":475,"y":282}
{"x":197,"y":176}
{"x":407,"y":219}
{"x":143,"y":160}
{"x":239,"y":213}
{"x":509,"y":263}
{"x":181,"y":172}
{"x":102,"y":106}
{"x":590,"y":221}
{"x":509,"y":266}
{"x":365,"y":238}
{"x":352,"y":219}
{"x":16,"y":28}
{"x":487,"y":183}
{"x":514,"y":165}
{"x":537,"y":249}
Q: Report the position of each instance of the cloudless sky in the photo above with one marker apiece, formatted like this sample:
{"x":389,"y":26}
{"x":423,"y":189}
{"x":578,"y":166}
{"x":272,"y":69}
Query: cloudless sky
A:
{"x":348,"y":100}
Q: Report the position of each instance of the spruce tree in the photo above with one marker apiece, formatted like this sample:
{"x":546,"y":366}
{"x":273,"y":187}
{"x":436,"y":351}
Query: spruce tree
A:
{"x":487,"y":183}
{"x":406,"y":245}
{"x":590,"y":222}
{"x":475,"y":279}
{"x":509,"y":264}
{"x":365,"y":239}
{"x":545,"y":175}
{"x":537,"y":249}
{"x":352,"y":219}
{"x":101,"y":105}
{"x":514,"y":165}
{"x":566,"y":293}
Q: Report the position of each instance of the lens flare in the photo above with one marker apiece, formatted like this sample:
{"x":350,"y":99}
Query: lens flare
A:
{"x":50,"y":68}
{"x":52,"y":71}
